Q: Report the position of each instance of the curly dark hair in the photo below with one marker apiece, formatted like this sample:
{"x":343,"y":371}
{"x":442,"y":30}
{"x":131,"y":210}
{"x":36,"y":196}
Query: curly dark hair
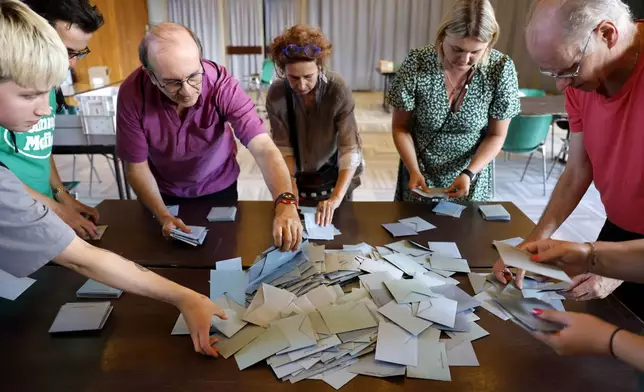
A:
{"x":300,"y":35}
{"x":77,"y":12}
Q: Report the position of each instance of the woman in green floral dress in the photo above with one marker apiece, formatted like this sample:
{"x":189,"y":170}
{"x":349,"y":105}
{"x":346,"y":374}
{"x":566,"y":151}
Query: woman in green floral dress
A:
{"x":453,"y":102}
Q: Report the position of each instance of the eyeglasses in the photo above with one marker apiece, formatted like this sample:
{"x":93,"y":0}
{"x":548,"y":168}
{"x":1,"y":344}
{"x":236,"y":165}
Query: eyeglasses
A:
{"x":574,"y":74}
{"x":79,"y":54}
{"x":310,"y":50}
{"x":174,"y":86}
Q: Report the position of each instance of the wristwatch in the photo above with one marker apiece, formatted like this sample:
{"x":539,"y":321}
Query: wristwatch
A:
{"x":285,"y":198}
{"x":57,"y":191}
{"x":470,"y":174}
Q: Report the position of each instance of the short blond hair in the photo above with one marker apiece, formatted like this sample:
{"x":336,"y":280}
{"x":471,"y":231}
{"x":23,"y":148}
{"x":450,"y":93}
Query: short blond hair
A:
{"x":33,"y":55}
{"x":470,"y":18}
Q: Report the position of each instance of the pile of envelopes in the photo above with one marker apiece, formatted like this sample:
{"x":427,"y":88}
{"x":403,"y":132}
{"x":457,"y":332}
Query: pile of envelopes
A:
{"x":290,"y":311}
{"x":197,"y":237}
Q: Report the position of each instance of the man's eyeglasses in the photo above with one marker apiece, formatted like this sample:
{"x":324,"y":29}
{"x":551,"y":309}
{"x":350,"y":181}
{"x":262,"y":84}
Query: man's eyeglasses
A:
{"x":310,"y":50}
{"x":78,"y":54}
{"x":174,"y":86}
{"x":575,"y":73}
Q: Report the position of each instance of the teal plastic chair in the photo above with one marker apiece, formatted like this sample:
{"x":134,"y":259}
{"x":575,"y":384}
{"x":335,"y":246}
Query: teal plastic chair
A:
{"x":531,"y":92}
{"x":260,"y":81}
{"x":526,"y":135}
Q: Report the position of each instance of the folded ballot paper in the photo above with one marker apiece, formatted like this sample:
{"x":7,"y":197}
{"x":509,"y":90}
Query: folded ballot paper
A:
{"x":81,"y":316}
{"x":195,"y":238}
{"x":494,"y":212}
{"x":94,"y":289}
{"x":448,"y":208}
{"x":434,"y":193}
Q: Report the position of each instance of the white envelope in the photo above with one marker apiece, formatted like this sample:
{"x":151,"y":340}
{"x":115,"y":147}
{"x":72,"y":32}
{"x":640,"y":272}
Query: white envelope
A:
{"x":395,"y":345}
{"x":267,"y":305}
{"x":405,"y":263}
{"x":462,"y":355}
{"x":373,"y":266}
{"x":476,"y":332}
{"x":402,"y":315}
{"x":11,"y":287}
{"x":227,"y":347}
{"x":433,"y":363}
{"x":441,"y":262}
{"x":369,"y":366}
{"x":418,"y":224}
{"x":438,"y":310}
{"x":488,"y":303}
{"x":409,"y":290}
{"x":234,"y":311}
{"x":267,"y":344}
{"x":322,"y":296}
{"x":445,"y":249}
{"x":347,"y":317}
{"x":517,"y":258}
{"x":406,"y":248}
{"x":479,"y":282}
{"x":299,"y":332}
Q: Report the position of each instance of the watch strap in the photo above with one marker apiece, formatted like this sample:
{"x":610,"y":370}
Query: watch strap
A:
{"x":470,"y":174}
{"x":285,"y":198}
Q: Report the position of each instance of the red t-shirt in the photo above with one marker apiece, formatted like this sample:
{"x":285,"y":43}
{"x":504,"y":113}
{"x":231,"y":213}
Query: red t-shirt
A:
{"x":614,"y":138}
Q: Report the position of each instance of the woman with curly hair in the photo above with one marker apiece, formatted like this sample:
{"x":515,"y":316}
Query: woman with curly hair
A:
{"x":311,"y":112}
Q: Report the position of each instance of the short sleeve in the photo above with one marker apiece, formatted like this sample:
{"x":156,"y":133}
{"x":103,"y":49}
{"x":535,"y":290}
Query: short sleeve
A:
{"x":505,"y":103}
{"x":237,"y":108}
{"x":402,"y":94}
{"x":275,"y":103}
{"x":131,"y":143}
{"x":573,"y":109}
{"x":31,"y":235}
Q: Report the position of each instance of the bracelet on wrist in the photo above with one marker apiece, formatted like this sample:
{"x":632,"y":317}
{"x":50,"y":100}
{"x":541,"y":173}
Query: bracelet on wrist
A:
{"x":285,"y":198}
{"x":593,"y":256}
{"x":612,"y":339}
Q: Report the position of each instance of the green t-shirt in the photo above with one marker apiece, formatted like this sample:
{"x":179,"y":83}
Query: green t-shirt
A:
{"x":31,"y":162}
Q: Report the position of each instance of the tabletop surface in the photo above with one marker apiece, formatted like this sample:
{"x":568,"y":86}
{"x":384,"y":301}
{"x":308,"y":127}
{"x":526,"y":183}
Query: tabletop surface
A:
{"x":133,"y":233}
{"x":135,"y":352}
{"x":550,"y":104}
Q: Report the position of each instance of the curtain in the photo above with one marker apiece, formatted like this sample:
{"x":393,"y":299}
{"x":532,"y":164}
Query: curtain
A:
{"x":366,"y":31}
{"x":280,"y":14}
{"x":246,"y":28}
{"x":205,"y":18}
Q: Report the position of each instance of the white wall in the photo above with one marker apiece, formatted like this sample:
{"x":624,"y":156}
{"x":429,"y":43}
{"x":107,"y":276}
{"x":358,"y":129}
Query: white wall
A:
{"x":157,"y":11}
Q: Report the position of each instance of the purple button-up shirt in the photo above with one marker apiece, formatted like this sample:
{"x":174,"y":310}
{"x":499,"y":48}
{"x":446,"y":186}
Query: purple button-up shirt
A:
{"x":193,"y":157}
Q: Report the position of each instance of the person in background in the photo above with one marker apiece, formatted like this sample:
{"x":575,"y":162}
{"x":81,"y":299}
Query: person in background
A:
{"x":28,"y":154}
{"x":174,"y":120}
{"x":586,"y":334}
{"x":311,"y":112}
{"x":453,"y":102}
{"x":593,"y":49}
{"x":34,"y":61}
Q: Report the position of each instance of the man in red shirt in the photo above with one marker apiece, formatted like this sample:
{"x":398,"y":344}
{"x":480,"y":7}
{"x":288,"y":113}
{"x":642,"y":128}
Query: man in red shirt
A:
{"x":592,"y":48}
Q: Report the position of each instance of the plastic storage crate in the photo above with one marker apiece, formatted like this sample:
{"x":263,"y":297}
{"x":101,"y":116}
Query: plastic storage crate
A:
{"x":97,"y":110}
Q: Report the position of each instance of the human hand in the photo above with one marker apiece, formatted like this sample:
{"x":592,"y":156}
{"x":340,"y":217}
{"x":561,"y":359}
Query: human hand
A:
{"x":585,"y":287}
{"x":325,"y":210}
{"x":583,"y":333}
{"x":287,"y":227}
{"x":573,"y":257}
{"x":169,"y":222}
{"x":417,"y":180}
{"x":197,"y":311}
{"x":460,"y":187}
{"x":83,"y":227}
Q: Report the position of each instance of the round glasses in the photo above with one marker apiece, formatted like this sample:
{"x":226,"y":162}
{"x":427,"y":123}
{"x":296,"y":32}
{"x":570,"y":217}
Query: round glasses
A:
{"x":310,"y":50}
{"x":78,"y":54}
{"x":174,"y":86}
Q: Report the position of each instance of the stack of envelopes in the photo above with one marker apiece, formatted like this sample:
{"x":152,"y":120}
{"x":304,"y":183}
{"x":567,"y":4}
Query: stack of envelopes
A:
{"x":447,"y":208}
{"x":81,"y":316}
{"x":222,"y":214}
{"x":195,"y":238}
{"x":94,"y":289}
{"x":494,"y":212}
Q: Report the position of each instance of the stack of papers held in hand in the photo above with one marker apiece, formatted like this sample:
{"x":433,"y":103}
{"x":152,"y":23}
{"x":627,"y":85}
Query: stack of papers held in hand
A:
{"x":81,"y":316}
{"x":315,"y":231}
{"x":94,"y":289}
{"x":448,"y":208}
{"x":494,"y":212}
{"x":434,"y":193}
{"x":195,"y":238}
{"x":222,"y":214}
{"x":517,"y":258}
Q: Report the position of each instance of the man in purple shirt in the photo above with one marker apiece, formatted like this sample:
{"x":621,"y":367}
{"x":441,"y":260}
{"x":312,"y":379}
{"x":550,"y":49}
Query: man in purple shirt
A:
{"x":172,"y":131}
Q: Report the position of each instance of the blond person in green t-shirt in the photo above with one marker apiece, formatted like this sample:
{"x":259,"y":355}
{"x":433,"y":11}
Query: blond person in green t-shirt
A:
{"x":28,"y":154}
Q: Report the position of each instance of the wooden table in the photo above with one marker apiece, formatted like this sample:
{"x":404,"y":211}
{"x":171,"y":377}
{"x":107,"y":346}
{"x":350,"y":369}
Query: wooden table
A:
{"x":134,"y":234}
{"x":135,"y":352}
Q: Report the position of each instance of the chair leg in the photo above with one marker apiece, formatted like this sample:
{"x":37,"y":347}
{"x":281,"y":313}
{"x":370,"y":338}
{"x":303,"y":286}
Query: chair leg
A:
{"x":526,"y":165}
{"x":74,"y":167}
{"x":543,"y":157}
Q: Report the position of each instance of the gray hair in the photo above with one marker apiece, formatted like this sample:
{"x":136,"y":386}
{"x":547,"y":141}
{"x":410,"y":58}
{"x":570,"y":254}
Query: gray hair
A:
{"x":580,"y":17}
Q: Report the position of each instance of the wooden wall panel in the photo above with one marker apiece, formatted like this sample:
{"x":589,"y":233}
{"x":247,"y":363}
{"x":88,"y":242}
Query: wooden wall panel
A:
{"x":115,"y":45}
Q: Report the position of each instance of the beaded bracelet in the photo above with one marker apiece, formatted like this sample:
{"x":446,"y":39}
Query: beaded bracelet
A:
{"x":593,"y":262}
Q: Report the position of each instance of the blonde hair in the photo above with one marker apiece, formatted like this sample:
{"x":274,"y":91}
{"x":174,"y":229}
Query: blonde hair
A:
{"x":470,"y":18}
{"x":32,"y":53}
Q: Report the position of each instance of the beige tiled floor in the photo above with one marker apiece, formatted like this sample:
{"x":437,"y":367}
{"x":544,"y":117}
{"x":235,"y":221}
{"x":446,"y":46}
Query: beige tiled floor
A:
{"x":380,"y":175}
